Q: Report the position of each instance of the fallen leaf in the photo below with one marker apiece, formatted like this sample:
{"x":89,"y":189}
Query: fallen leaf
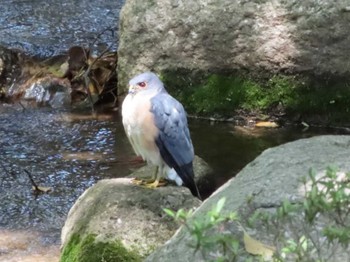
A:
{"x":266,"y":124}
{"x":255,"y":247}
{"x":305,"y":124}
{"x":41,"y":189}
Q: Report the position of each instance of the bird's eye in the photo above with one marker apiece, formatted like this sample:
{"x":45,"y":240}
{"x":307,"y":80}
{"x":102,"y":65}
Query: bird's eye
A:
{"x":142,"y":84}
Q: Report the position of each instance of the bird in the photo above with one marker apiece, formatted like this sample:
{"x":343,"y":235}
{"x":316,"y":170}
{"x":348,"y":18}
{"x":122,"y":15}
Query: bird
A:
{"x":157,"y":128}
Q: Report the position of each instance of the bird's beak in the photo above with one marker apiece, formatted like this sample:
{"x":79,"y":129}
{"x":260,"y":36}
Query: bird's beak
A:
{"x":132,"y":89}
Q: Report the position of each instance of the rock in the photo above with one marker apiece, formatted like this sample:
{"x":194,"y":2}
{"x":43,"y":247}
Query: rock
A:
{"x":226,"y":36}
{"x":58,"y":82}
{"x":271,"y":178}
{"x":50,"y":91}
{"x":203,"y":175}
{"x":117,"y":215}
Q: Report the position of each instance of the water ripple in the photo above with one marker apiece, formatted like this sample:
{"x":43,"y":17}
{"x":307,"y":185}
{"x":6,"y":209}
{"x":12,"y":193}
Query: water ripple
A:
{"x":64,"y":153}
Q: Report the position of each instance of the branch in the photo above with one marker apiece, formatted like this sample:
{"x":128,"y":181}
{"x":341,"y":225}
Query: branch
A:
{"x":36,"y":188}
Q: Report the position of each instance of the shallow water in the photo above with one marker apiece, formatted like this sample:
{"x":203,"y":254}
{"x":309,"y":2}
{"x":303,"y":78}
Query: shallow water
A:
{"x":49,"y":27}
{"x":70,"y":151}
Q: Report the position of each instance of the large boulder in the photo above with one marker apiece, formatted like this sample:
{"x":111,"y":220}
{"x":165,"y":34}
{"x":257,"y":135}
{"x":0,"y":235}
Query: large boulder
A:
{"x":223,"y":36}
{"x":117,"y":221}
{"x":276,"y":175}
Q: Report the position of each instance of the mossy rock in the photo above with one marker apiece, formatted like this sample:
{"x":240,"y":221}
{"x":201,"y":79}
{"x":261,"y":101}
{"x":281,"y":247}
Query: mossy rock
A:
{"x":222,"y":94}
{"x":212,"y":94}
{"x":115,"y":220}
{"x":88,"y":249}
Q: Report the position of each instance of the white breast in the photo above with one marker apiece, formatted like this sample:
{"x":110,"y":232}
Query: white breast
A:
{"x":140,"y":127}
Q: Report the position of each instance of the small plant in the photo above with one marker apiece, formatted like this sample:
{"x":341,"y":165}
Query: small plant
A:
{"x":208,"y":232}
{"x":310,"y":230}
{"x":317,"y":226}
{"x":330,"y":196}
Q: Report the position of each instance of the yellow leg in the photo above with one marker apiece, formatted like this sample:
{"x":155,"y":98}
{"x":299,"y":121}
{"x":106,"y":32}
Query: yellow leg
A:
{"x":156,"y":180}
{"x":156,"y":183}
{"x":140,"y":181}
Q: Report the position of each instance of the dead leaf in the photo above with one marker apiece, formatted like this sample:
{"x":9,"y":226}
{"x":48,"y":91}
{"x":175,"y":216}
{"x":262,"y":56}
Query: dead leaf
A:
{"x":41,"y":189}
{"x":255,"y":247}
{"x":266,"y":124}
{"x":77,"y":57}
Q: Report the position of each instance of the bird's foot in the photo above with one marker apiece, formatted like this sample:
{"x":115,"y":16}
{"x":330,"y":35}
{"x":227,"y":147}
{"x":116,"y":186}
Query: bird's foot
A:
{"x":149,"y":182}
{"x":138,"y":181}
{"x":155,"y":183}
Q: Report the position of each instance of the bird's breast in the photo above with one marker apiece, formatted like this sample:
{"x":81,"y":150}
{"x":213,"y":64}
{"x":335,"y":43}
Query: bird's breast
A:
{"x":139,"y":124}
{"x":137,"y":115}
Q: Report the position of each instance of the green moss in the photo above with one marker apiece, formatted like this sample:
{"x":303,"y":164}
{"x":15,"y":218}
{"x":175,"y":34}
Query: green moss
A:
{"x":218,"y":94}
{"x":90,"y":250}
{"x":222,"y":94}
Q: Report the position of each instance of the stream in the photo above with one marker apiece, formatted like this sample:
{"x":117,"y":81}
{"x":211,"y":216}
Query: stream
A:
{"x":45,"y":28}
{"x":70,"y":151}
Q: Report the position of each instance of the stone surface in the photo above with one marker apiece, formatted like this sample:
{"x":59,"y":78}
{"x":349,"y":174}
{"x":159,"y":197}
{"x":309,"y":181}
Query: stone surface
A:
{"x":222,"y":36}
{"x":203,"y":174}
{"x":272,"y":177}
{"x":50,"y":91}
{"x":115,"y":209}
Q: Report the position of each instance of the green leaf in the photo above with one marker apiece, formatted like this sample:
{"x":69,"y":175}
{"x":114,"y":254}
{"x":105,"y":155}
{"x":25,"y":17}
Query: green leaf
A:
{"x":233,"y":216}
{"x":180,"y":214}
{"x":303,"y":242}
{"x":169,"y":212}
{"x":220,"y":205}
{"x":312,"y":175}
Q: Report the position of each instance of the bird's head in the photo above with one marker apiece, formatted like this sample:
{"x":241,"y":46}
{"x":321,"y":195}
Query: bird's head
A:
{"x":145,"y":82}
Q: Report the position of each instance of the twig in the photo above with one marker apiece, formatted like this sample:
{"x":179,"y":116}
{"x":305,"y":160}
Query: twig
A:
{"x":36,"y":188}
{"x":87,"y":79}
{"x":98,"y":36}
{"x":23,"y":107}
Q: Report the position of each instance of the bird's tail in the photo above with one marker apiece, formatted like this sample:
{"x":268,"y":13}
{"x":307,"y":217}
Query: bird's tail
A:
{"x":187,"y":175}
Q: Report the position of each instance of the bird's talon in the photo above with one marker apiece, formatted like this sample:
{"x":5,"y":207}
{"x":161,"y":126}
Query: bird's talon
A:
{"x":162,"y":183}
{"x":137,"y":181}
{"x":155,"y":184}
{"x":149,"y":186}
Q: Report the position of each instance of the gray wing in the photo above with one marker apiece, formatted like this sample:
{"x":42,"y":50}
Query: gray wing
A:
{"x":174,"y":141}
{"x":170,"y":119}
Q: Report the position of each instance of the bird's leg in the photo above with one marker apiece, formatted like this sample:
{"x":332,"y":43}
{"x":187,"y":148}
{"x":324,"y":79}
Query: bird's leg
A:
{"x":157,"y":180}
{"x":140,"y":181}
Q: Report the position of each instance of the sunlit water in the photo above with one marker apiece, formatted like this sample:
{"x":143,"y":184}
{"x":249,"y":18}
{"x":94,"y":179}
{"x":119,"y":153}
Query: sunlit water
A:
{"x":69,"y":152}
{"x":49,"y":27}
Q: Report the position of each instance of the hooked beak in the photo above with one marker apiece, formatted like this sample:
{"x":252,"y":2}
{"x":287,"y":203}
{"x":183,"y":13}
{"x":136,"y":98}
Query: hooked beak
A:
{"x":132,"y":89}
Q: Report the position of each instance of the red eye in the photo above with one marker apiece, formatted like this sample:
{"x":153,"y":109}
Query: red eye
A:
{"x":142,"y":84}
